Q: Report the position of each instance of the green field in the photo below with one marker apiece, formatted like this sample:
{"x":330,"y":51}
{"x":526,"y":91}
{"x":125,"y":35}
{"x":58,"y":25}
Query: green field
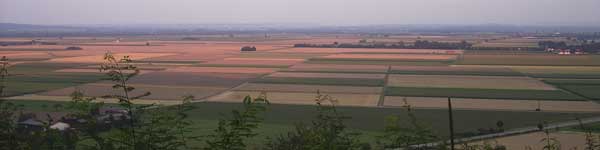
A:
{"x":369,"y":121}
{"x":472,"y":73}
{"x":563,"y":72}
{"x":482,"y":93}
{"x":586,"y":88}
{"x":321,"y":81}
{"x":38,"y":77}
{"x":573,"y":81}
{"x":588,"y":91}
{"x":531,"y":60}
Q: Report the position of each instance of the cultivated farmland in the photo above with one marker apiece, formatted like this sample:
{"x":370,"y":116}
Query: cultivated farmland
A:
{"x":477,"y":82}
{"x":531,"y":60}
{"x":367,"y":83}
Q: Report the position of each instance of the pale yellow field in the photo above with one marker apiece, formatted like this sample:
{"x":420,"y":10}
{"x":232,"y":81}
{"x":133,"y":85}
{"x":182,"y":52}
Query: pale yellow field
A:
{"x":100,"y":58}
{"x":222,"y":70}
{"x":334,"y":67}
{"x":307,"y":88}
{"x":326,"y":75}
{"x":30,"y":97}
{"x":454,"y":81}
{"x":568,"y":140}
{"x":367,"y":100}
{"x":557,"y":69}
{"x":277,"y":55}
{"x":393,"y":56}
{"x":494,"y":104}
{"x":256,"y":61}
{"x":89,"y":70}
{"x":25,"y":55}
{"x":159,"y":92}
{"x":544,"y":69}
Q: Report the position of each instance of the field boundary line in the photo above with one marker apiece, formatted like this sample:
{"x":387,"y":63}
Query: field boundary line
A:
{"x":381,"y":101}
{"x":205,"y":98}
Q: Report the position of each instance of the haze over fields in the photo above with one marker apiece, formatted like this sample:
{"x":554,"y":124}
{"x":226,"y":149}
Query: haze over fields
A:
{"x":323,"y":12}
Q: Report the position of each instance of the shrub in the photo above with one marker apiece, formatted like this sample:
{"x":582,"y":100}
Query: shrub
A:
{"x":248,"y":48}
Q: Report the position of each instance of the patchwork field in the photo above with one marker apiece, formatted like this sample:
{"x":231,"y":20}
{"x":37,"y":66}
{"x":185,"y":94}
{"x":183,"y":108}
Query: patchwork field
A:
{"x":485,"y":86}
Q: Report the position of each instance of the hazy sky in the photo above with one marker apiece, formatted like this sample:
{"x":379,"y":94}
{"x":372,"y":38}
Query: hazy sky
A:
{"x":325,"y":12}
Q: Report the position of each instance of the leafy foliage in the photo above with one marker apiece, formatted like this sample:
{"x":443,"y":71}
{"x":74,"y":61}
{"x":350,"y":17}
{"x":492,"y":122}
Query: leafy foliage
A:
{"x":550,"y":143}
{"x":486,"y":145}
{"x":397,"y":136}
{"x":121,"y":71}
{"x":327,"y":131}
{"x":231,"y":132}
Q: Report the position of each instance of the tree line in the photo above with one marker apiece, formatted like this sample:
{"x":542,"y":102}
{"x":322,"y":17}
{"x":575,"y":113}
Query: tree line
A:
{"x":419,"y":44}
{"x":590,"y":47}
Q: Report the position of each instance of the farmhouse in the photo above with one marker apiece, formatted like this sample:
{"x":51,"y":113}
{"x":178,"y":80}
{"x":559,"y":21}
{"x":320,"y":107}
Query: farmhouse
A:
{"x":30,"y":124}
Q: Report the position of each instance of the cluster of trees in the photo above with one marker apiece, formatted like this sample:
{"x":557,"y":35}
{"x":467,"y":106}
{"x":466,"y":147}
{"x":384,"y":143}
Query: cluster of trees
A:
{"x":552,"y":44}
{"x":507,"y":48}
{"x":73,"y":48}
{"x":32,"y":42}
{"x":248,"y":48}
{"x":190,"y":38}
{"x":419,"y":44}
{"x":591,"y":47}
{"x":157,"y":127}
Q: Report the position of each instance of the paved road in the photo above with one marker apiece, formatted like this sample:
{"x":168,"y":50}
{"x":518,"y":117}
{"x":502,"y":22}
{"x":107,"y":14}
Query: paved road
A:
{"x":518,"y":131}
